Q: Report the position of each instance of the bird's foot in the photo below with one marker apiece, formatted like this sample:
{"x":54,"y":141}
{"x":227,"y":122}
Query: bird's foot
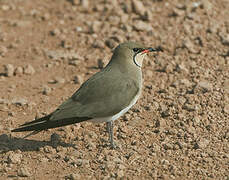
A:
{"x":113,"y":145}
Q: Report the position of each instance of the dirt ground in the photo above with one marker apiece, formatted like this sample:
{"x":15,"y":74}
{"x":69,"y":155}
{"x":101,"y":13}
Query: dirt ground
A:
{"x":179,"y":128}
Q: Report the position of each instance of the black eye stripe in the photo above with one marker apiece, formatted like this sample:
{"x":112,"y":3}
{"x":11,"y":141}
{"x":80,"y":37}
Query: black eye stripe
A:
{"x":137,"y":50}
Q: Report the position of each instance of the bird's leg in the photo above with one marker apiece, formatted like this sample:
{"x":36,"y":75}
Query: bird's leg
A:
{"x":32,"y":133}
{"x":110,"y":131}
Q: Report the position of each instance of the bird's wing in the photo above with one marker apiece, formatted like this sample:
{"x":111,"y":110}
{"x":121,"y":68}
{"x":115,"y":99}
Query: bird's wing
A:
{"x":99,"y":97}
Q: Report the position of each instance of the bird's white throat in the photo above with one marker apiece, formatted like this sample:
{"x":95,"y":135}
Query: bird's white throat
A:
{"x":138,"y":59}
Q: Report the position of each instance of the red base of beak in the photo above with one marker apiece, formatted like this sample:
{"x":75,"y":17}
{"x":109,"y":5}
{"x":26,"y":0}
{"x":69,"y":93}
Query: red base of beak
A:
{"x":145,"y":51}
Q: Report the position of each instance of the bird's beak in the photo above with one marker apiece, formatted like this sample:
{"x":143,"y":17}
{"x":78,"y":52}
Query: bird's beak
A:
{"x":147,"y":50}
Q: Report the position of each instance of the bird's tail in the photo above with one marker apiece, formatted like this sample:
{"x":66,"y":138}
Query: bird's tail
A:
{"x":45,"y":123}
{"x":37,"y":124}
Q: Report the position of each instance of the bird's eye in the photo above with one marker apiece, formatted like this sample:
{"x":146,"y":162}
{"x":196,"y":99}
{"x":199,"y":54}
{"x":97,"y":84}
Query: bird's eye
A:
{"x":136,"y":50}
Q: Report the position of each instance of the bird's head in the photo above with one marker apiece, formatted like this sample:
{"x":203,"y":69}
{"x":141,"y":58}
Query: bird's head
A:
{"x":132,"y":52}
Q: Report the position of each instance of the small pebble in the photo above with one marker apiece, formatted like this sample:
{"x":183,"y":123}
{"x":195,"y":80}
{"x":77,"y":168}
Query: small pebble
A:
{"x":9,"y":70}
{"x":85,"y":4}
{"x":100,"y":63}
{"x":138,"y":7}
{"x":14,"y":158}
{"x":3,"y":50}
{"x":29,"y":70}
{"x":142,"y":26}
{"x":205,"y":86}
{"x":24,"y":172}
{"x":78,"y":79}
{"x":19,"y":101}
{"x":18,"y":70}
{"x":55,"y":32}
{"x":59,"y":80}
{"x":46,"y":90}
{"x":74,"y":176}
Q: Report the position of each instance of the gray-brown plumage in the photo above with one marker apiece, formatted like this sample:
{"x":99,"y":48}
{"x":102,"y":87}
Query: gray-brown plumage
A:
{"x":104,"y":97}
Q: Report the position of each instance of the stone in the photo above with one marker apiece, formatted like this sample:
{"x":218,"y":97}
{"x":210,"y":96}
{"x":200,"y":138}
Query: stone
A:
{"x":205,"y":86}
{"x":3,"y":51}
{"x":207,"y":5}
{"x":9,"y":70}
{"x":114,"y":20}
{"x":96,"y":26}
{"x":120,"y":174}
{"x":73,"y":62}
{"x":167,"y":146}
{"x":5,"y":7}
{"x":203,"y":143}
{"x":46,"y":17}
{"x":78,"y":29}
{"x":181,"y":100}
{"x":142,"y":26}
{"x":60,"y":54}
{"x":29,"y":70}
{"x":22,"y":23}
{"x":138,"y":7}
{"x":74,"y":2}
{"x":182,"y":68}
{"x":59,"y":80}
{"x":100,"y":63}
{"x":98,"y":44}
{"x":78,"y":79}
{"x":84,"y":4}
{"x":49,"y":149}
{"x":14,"y":158}
{"x":189,"y":107}
{"x":127,"y":28}
{"x":169,"y":68}
{"x":124,"y":18}
{"x":55,"y":32}
{"x":149,"y":73}
{"x":46,"y":90}
{"x":224,"y":38}
{"x":226,"y":108}
{"x":74,"y":176}
{"x":190,"y":45}
{"x":67,"y":44}
{"x":226,"y":86}
{"x":19,"y":101}
{"x":4,"y":101}
{"x":110,"y":43}
{"x":23,"y":172}
{"x":165,"y":114}
{"x":185,"y":82}
{"x":148,"y":15}
{"x":18,"y":71}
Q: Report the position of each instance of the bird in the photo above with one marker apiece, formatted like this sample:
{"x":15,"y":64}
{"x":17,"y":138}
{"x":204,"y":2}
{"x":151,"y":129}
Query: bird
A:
{"x":104,"y":97}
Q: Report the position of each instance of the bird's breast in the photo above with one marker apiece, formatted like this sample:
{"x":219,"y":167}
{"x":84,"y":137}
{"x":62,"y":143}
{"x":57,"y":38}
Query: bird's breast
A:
{"x":116,"y":116}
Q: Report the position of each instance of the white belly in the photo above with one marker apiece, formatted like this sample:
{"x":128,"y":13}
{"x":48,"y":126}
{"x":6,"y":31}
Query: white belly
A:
{"x":116,"y":116}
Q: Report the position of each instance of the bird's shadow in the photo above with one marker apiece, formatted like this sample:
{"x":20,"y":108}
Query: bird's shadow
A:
{"x":9,"y":143}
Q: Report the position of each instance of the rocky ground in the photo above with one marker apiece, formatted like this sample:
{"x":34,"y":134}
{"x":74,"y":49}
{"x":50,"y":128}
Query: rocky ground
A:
{"x":179,"y":128}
